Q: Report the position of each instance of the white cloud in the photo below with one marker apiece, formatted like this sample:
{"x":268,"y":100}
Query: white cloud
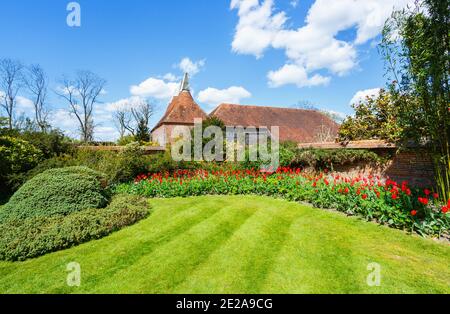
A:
{"x":313,"y":46}
{"x":124,"y":104}
{"x":214,"y":96}
{"x":24,"y":102}
{"x":65,"y":121}
{"x":156,"y":88}
{"x":106,"y":133}
{"x":257,"y":27}
{"x":294,"y":3}
{"x":170,"y":77}
{"x":294,"y":74}
{"x":337,"y":116}
{"x":60,"y":89}
{"x":362,"y":95}
{"x":192,"y":67}
{"x":24,"y":106}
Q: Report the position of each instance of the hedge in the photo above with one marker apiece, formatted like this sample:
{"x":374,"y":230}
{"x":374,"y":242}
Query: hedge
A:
{"x":36,"y":236}
{"x":57,"y":192}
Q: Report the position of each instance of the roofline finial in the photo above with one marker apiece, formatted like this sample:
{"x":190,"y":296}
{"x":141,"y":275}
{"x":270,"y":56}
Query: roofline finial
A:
{"x":185,"y":83}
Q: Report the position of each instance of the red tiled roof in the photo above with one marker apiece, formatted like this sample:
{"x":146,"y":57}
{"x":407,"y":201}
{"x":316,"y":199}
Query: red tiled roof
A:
{"x":182,"y":110}
{"x":295,"y":124}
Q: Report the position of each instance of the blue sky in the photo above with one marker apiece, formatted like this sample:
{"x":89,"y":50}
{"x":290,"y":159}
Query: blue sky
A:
{"x":272,"y":53}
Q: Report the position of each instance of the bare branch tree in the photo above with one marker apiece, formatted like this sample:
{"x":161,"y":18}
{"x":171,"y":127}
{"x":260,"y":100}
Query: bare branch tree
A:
{"x":130,"y":113}
{"x":122,"y":121}
{"x":11,"y":81}
{"x":324,"y":134}
{"x":82,"y":94}
{"x":143,"y":112}
{"x":37,"y":83}
{"x":305,"y":105}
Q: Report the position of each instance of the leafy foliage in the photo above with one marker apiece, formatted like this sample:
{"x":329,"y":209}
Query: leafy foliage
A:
{"x":57,"y":192}
{"x":36,"y":236}
{"x":127,"y":139}
{"x":327,"y":159}
{"x":416,"y":48}
{"x":118,"y":167}
{"x":17,"y":155}
{"x":375,"y":118}
{"x":51,"y":143}
{"x":142,"y":132}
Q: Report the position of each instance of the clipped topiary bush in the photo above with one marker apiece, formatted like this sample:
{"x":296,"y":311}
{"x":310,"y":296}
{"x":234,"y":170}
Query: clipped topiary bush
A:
{"x":57,"y":192}
{"x":36,"y":236}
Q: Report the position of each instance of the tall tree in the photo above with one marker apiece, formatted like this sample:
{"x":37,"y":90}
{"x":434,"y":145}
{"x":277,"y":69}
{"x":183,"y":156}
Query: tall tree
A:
{"x":132,"y":113}
{"x":416,"y":47}
{"x":11,"y":81}
{"x":142,"y":112}
{"x":122,"y":121}
{"x":142,"y":131}
{"x":82,"y":93}
{"x":37,"y":84}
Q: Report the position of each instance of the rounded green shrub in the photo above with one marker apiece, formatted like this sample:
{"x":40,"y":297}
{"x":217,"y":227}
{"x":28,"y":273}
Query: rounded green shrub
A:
{"x":57,"y":192}
{"x":36,"y":236}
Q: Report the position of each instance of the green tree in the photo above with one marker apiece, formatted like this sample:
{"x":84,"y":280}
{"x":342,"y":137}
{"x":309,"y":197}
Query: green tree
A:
{"x":416,"y":48}
{"x":375,"y":118}
{"x":142,"y":133}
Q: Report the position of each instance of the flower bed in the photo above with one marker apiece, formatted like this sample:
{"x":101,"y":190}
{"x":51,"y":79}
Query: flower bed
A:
{"x":385,"y":201}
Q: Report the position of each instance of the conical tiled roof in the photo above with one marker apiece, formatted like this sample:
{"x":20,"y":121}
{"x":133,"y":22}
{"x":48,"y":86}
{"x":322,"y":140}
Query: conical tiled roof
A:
{"x":182,"y":110}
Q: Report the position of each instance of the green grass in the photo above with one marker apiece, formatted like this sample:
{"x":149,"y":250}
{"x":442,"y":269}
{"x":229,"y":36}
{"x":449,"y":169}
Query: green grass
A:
{"x":240,"y":245}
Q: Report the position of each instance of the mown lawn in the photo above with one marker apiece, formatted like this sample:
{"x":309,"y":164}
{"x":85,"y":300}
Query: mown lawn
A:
{"x":240,"y":245}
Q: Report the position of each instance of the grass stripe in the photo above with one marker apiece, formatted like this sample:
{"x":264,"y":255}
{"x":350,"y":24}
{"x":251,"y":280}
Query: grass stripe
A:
{"x":249,"y":253}
{"x":245,"y":244}
{"x":172,"y":262}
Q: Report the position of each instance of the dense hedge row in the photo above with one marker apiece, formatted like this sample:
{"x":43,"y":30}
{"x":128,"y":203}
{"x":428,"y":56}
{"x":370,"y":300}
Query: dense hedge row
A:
{"x":57,"y":192}
{"x":327,"y":159}
{"x":125,"y":166}
{"x":36,"y":236}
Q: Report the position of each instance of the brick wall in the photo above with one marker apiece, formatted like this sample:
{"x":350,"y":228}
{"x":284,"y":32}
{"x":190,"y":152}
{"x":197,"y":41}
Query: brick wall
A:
{"x":414,"y":166}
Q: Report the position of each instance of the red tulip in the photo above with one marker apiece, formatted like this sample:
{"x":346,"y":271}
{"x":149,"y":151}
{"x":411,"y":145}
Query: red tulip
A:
{"x":364,"y":196}
{"x":445,"y":209}
{"x":414,"y":212}
{"x":423,"y":200}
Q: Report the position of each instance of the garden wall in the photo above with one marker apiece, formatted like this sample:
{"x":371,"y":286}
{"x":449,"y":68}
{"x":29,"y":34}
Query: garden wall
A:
{"x":148,"y":150}
{"x":414,"y":164}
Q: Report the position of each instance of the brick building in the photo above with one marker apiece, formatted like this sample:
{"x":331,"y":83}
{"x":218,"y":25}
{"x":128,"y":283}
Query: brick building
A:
{"x":295,"y":125}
